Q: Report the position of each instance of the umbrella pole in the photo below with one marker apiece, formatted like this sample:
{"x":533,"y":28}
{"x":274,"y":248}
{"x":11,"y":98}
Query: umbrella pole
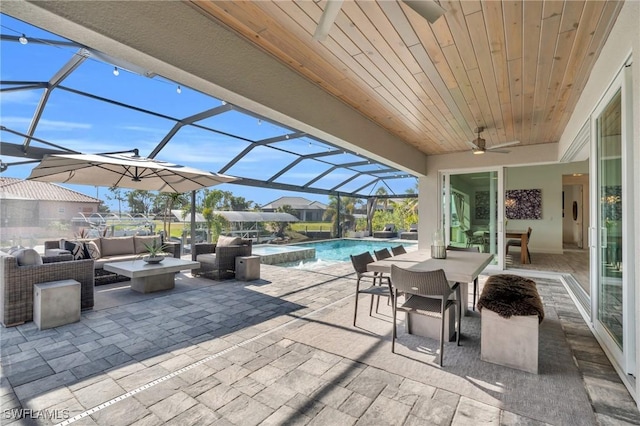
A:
{"x":193,"y":225}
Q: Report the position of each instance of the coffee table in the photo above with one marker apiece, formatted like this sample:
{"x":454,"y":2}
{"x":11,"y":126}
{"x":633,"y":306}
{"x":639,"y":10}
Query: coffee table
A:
{"x":146,"y":277}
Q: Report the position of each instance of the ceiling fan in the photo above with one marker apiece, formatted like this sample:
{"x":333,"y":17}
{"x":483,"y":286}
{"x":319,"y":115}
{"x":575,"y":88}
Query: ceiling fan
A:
{"x":478,"y":145}
{"x":428,"y":9}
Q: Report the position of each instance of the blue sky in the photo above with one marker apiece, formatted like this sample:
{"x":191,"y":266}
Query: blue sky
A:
{"x":91,"y":126}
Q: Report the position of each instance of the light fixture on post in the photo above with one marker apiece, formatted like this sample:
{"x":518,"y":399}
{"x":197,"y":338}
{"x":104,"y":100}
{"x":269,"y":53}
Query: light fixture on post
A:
{"x":23,"y":39}
{"x":116,"y":72}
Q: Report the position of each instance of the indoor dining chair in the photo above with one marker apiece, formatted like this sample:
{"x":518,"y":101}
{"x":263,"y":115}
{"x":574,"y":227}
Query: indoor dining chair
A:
{"x":518,"y":243}
{"x":426,"y":293}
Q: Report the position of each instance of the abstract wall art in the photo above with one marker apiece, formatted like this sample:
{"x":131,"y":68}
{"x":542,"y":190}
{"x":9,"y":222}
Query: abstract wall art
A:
{"x":523,"y":203}
{"x":482,"y":205}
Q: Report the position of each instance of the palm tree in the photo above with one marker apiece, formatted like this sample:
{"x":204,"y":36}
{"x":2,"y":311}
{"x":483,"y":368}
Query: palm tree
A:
{"x":215,"y":222}
{"x":382,"y":192}
{"x":169,"y":201}
{"x":347,"y":206}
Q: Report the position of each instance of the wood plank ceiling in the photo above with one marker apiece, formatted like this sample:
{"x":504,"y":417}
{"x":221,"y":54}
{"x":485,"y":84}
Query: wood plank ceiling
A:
{"x":516,"y":68}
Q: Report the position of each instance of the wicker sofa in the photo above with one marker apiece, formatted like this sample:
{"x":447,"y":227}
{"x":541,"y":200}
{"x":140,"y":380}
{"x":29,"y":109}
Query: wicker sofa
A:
{"x":16,"y":284}
{"x":218,"y":260}
{"x":116,"y":249}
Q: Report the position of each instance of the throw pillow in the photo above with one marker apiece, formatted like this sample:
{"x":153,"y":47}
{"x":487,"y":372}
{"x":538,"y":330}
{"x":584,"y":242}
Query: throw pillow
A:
{"x":13,"y":250}
{"x":92,"y":249}
{"x":28,"y":257}
{"x":76,"y":249}
{"x":228,"y":241}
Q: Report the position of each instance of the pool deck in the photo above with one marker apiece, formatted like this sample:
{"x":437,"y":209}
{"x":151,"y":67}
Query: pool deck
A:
{"x":246,"y":353}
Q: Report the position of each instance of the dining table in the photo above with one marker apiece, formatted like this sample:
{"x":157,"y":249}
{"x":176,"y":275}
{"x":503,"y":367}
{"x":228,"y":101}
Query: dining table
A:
{"x":523,"y":236}
{"x":459,"y":266}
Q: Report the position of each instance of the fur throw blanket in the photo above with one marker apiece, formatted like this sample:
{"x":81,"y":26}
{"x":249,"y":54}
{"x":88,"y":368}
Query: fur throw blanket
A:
{"x":508,"y":295}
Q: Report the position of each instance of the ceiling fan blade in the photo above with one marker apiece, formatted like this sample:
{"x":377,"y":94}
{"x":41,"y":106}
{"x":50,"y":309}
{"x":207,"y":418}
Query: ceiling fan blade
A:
{"x":503,"y":145}
{"x":498,"y":151}
{"x":472,"y":145}
{"x":428,"y":9}
{"x":329,"y":15}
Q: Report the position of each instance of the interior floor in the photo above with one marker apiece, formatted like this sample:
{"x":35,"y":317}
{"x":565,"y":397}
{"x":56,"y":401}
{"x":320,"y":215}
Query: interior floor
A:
{"x":573,"y":260}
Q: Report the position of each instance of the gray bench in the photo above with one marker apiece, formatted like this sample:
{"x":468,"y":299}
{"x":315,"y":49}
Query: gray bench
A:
{"x":511,"y":310}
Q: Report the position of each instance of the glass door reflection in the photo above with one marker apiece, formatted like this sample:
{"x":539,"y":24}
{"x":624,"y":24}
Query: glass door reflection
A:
{"x":473,"y":211}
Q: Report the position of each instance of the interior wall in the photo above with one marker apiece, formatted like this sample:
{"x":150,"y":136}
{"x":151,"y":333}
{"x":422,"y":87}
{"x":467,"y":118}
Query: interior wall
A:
{"x":568,"y":198}
{"x":572,"y":228}
{"x":547,"y":232}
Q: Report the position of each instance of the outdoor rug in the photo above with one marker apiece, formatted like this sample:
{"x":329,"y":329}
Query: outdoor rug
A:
{"x":556,"y":395}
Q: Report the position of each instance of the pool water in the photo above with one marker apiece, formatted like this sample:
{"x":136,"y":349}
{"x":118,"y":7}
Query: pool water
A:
{"x":336,"y":251}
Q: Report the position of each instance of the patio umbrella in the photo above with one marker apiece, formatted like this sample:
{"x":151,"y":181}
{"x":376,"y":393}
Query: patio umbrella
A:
{"x":124,"y":171}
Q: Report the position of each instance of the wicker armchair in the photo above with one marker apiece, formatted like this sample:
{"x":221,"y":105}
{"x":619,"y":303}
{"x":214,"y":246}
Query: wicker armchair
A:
{"x":223,"y":264}
{"x":16,"y":284}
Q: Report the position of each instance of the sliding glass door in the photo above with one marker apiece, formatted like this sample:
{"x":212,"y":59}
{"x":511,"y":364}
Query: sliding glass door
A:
{"x":611,"y":250}
{"x":472,"y":211}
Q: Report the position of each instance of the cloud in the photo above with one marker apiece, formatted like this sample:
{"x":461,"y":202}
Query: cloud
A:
{"x":143,"y":129}
{"x":44,"y":125}
{"x":23,"y":97}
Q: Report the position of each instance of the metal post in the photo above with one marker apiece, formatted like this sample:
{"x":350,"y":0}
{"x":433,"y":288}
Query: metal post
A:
{"x":339,"y":235}
{"x":193,"y":225}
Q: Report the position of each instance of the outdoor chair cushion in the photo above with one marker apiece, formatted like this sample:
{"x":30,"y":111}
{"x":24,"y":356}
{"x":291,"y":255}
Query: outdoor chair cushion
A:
{"x":228,"y":241}
{"x":117,"y":245}
{"x":207,"y":258}
{"x":28,"y":257}
{"x":139,"y":242}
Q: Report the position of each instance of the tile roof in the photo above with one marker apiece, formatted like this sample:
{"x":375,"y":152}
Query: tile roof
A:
{"x":14,"y":188}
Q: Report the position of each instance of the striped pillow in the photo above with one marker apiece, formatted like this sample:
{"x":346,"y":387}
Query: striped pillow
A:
{"x":76,"y":249}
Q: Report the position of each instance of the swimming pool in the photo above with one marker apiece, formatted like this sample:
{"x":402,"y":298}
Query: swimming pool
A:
{"x":331,"y":252}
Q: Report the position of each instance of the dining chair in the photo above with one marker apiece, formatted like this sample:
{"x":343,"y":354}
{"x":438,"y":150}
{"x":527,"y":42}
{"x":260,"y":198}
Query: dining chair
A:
{"x":518,"y":243}
{"x":398,"y":250}
{"x":475,"y":282}
{"x":474,"y":240}
{"x":426,"y":293}
{"x":376,"y":288}
{"x":381,"y":255}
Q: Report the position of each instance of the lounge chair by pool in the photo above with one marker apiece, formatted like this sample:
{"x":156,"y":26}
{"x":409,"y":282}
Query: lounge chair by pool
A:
{"x":389,"y":231}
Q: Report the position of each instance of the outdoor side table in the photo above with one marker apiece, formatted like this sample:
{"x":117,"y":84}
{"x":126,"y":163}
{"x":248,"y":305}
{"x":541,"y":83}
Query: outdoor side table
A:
{"x":56,"y":303}
{"x":247,"y":268}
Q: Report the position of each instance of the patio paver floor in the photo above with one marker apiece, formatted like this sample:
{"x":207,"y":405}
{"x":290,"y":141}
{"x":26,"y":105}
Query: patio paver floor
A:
{"x":219,"y":353}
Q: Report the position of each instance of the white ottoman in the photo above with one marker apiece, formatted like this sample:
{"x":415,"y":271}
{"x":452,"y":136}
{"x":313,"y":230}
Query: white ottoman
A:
{"x":56,"y":303}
